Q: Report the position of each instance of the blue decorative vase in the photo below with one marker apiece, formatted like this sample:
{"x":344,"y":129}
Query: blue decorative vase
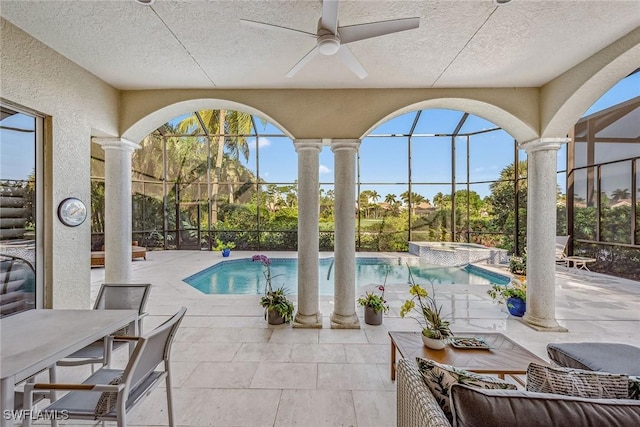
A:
{"x":226,"y":252}
{"x":516,"y":306}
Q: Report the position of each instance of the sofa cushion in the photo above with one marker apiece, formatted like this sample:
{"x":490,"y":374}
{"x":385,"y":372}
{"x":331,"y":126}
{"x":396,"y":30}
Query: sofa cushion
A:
{"x":474,"y":407}
{"x":577,"y":382}
{"x":597,"y":356}
{"x":439,"y":378}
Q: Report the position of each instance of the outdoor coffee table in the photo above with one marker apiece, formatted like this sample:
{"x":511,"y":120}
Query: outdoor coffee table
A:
{"x":505,"y":357}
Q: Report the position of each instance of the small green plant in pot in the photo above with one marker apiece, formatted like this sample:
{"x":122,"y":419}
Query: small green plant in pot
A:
{"x":278,"y":308}
{"x":514,"y":295}
{"x":435,"y":330}
{"x":518,"y":265}
{"x":374,"y":306}
{"x":224,"y":247}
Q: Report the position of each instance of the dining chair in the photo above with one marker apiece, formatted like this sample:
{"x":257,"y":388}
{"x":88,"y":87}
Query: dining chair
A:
{"x":110,"y":394}
{"x":111,"y":296}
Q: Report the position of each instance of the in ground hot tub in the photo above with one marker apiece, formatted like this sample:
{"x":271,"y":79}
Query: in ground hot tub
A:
{"x":452,"y":253}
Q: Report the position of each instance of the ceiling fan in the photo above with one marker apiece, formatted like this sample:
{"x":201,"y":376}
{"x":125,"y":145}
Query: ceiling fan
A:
{"x":332,"y":40}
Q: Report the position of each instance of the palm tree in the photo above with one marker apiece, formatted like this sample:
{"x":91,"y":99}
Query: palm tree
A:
{"x":220,"y":123}
{"x":620,"y":194}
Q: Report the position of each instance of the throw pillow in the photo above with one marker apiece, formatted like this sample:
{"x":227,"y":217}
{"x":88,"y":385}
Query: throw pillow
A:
{"x":577,"y":382}
{"x":634,"y":388}
{"x":439,"y":378}
{"x":108,"y":399}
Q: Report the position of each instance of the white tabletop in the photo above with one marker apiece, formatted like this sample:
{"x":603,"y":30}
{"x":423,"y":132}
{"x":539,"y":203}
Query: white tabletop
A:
{"x":34,"y":340}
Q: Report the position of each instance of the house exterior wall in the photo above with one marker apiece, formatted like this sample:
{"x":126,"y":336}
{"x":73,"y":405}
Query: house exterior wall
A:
{"x":77,"y":105}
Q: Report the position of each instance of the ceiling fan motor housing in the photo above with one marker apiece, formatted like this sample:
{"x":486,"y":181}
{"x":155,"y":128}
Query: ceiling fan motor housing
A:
{"x":328,"y":44}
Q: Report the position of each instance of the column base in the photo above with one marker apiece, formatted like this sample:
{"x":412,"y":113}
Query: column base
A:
{"x":313,"y":321}
{"x":542,"y":325}
{"x":339,"y":321}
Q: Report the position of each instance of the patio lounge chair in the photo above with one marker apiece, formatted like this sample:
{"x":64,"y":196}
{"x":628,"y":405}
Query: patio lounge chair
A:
{"x":109,"y":394}
{"x":561,"y":249}
{"x":97,"y":257}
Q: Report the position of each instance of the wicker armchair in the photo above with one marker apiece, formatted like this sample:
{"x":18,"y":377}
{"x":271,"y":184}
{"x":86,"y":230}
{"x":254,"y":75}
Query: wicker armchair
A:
{"x":416,"y":405}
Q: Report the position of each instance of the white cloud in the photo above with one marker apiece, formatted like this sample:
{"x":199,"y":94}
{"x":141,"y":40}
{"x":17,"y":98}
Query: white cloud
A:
{"x":263,"y":142}
{"x":324,"y":169}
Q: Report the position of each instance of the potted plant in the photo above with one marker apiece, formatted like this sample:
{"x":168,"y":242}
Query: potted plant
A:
{"x":278,"y":308}
{"x":374,"y":306}
{"x":435,"y":330}
{"x":514,"y":295}
{"x":225,"y":247}
{"x":518,"y":265}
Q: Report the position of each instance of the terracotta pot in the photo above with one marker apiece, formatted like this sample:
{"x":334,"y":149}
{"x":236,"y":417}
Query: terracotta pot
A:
{"x":371,"y":317}
{"x":432,"y":343}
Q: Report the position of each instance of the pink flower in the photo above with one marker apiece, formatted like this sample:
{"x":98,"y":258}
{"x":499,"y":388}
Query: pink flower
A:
{"x":262,"y":258}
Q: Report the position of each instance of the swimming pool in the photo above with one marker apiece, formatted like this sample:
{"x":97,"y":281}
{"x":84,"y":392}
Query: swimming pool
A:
{"x":243,"y":276}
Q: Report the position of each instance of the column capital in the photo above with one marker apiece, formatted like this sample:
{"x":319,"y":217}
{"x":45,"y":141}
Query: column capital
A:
{"x":307,"y":144}
{"x":541,"y":144}
{"x":116,"y":143}
{"x":345,"y":144}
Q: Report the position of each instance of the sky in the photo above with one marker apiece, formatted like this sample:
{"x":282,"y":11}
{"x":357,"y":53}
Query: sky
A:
{"x":383,"y":160}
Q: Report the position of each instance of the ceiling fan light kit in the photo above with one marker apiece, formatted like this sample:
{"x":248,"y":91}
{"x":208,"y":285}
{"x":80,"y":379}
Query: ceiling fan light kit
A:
{"x":332,"y":40}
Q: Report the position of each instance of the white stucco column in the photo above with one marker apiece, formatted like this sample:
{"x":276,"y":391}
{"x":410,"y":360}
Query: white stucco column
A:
{"x":344,"y":312}
{"x":117,"y":208}
{"x":308,"y":314}
{"x":542,"y":156}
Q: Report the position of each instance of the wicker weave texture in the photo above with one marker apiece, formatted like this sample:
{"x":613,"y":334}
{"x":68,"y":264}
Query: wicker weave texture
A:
{"x":416,"y":405}
{"x":577,"y":382}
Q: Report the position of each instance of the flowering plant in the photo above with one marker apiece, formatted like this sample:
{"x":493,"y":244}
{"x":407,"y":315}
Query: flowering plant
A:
{"x":516,"y":289}
{"x":430,"y":319}
{"x":376,"y":302}
{"x":274,"y":300}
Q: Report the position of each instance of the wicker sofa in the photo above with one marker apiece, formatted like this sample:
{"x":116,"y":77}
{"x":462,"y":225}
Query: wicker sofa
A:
{"x":417,"y":407}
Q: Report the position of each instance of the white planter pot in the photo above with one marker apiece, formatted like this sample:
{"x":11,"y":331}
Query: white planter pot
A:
{"x":432,"y":343}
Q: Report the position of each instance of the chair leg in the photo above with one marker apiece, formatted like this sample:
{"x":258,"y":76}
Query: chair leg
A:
{"x":169,"y":399}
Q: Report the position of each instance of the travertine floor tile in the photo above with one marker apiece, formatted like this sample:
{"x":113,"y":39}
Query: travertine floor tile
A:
{"x":316,"y":408}
{"x":275,"y":375}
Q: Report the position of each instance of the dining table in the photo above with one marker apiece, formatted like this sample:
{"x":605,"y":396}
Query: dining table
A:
{"x":34,"y":340}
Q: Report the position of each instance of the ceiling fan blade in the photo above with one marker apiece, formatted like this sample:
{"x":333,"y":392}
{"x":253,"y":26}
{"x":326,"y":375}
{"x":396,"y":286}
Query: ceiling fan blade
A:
{"x":352,"y":63}
{"x":266,"y":26}
{"x":313,"y":52}
{"x":353,"y":33}
{"x":330,"y":15}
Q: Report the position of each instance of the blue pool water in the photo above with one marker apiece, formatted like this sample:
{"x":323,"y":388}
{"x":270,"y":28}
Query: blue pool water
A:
{"x":243,"y":276}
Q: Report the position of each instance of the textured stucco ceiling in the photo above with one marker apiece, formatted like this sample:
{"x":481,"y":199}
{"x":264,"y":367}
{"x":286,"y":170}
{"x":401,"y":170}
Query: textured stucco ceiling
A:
{"x":201,"y":44}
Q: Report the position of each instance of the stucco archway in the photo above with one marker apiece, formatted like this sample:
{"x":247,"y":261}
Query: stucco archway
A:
{"x":565,"y":99}
{"x":520,"y":130}
{"x":143,"y":127}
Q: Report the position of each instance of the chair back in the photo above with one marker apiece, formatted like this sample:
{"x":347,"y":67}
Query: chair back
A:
{"x":121,"y":296}
{"x":561,"y":247}
{"x":152,"y":349}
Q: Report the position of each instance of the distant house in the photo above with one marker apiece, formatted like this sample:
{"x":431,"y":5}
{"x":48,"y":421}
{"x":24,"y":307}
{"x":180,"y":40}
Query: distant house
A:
{"x":423,"y":208}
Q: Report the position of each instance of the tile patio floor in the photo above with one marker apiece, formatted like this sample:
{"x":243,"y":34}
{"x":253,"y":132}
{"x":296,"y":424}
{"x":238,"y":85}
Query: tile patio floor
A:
{"x":232,"y":369}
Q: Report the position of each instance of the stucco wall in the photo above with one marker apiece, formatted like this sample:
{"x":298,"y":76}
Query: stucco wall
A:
{"x":80,"y":104}
{"x":332,"y":113}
